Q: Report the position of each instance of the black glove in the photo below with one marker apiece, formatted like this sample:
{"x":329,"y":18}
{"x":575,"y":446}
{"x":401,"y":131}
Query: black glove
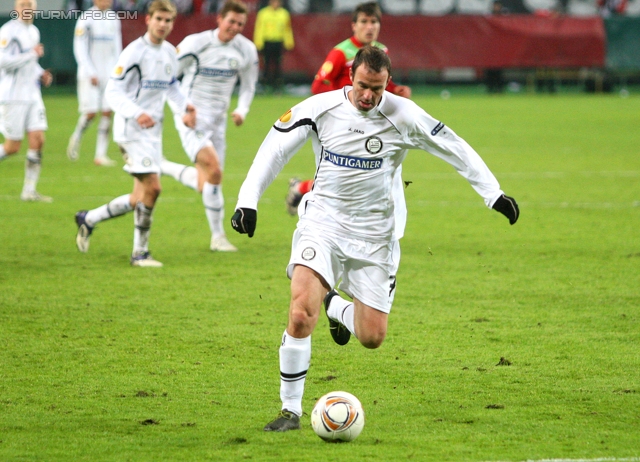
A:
{"x":244,"y":221}
{"x":508,"y":207}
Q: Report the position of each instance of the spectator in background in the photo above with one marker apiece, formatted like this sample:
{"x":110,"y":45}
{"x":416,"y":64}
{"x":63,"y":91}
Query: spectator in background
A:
{"x":21,"y":106}
{"x":272,"y":35}
{"x":608,"y":8}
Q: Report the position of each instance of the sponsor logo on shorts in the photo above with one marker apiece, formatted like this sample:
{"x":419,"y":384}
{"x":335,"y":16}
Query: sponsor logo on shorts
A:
{"x":146,"y":162}
{"x":308,"y":254}
{"x":199,"y":133}
{"x":373,"y":145}
{"x":352,"y":162}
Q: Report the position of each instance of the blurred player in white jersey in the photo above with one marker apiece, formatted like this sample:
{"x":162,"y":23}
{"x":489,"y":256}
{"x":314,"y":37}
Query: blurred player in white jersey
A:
{"x":96,"y":46}
{"x":211,"y":62}
{"x":144,"y":76}
{"x":21,"y":106}
{"x":347,"y":233}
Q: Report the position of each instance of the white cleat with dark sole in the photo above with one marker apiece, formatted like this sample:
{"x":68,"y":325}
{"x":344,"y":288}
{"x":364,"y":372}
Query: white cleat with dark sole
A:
{"x":84,"y":231}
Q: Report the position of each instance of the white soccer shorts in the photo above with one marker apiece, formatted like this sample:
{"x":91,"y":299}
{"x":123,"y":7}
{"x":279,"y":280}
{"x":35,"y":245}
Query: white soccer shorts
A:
{"x":210,"y":129}
{"x":91,"y":98}
{"x":142,"y":156}
{"x":367,"y":270}
{"x":18,"y":118}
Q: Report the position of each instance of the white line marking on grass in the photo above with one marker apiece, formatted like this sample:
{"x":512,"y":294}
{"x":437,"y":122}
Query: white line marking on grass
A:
{"x":598,"y":459}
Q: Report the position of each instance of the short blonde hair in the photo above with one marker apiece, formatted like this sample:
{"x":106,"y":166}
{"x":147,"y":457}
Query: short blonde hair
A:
{"x":162,"y":5}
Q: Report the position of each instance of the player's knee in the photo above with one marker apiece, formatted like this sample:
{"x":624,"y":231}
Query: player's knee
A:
{"x":11,"y":147}
{"x":90,"y":116}
{"x":372,"y":340}
{"x":301,"y":322}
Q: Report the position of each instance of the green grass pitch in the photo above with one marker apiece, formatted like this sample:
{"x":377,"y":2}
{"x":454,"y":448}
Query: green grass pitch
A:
{"x":101,"y":361}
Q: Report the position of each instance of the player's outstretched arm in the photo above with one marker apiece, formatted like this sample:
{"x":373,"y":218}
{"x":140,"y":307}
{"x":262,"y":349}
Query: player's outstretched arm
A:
{"x":244,"y":221}
{"x":508,"y":207}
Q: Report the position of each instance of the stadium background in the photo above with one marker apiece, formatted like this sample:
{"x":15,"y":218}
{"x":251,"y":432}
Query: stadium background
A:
{"x":543,"y":45}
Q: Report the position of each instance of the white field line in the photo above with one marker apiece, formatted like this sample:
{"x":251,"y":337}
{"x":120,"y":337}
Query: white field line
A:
{"x":598,"y":459}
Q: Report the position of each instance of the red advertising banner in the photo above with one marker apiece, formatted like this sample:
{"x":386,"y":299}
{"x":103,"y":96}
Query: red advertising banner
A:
{"x":435,"y":42}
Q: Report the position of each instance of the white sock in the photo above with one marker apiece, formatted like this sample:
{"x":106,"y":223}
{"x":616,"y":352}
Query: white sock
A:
{"x":32,"y":170}
{"x":3,"y":153}
{"x":81,"y":126}
{"x":214,"y":207}
{"x":185,"y":174}
{"x":295,"y":357}
{"x":115,"y":208}
{"x":142,"y":220}
{"x":343,"y":311}
{"x":102,"y":143}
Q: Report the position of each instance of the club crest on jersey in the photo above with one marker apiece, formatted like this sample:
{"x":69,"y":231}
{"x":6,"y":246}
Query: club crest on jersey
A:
{"x":286,"y":117}
{"x":167,"y":69}
{"x":233,"y":63}
{"x":373,"y":145}
{"x":308,"y":254}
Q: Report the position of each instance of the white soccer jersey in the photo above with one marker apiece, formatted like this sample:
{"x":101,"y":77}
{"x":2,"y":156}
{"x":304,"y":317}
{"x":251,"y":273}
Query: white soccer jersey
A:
{"x":19,"y":69}
{"x":97,"y":44}
{"x":358,"y":155}
{"x":211,"y":69}
{"x":145,"y":75}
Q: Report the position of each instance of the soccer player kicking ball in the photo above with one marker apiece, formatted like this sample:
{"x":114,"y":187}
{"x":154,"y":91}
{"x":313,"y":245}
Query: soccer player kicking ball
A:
{"x":347,"y":230}
{"x":21,"y":106}
{"x":144,"y":77}
{"x":96,"y":46}
{"x":211,"y":62}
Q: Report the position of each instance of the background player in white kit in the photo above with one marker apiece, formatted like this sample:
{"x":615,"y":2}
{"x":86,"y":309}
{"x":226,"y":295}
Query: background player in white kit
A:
{"x":145,"y":75}
{"x":21,"y":106}
{"x":347,"y":227}
{"x":96,"y":46}
{"x":211,"y":62}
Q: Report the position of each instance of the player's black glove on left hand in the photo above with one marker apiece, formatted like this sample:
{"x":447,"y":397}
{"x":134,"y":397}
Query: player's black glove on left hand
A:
{"x":244,"y":221}
{"x":508,"y":207}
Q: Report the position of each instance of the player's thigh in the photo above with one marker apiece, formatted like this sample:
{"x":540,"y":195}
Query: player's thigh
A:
{"x":308,"y":289}
{"x":193,"y":139}
{"x":219,"y":137}
{"x":13,"y":120}
{"x":370,"y":272}
{"x":37,"y":118}
{"x":142,"y":157}
{"x":318,"y":252}
{"x":89,"y":97}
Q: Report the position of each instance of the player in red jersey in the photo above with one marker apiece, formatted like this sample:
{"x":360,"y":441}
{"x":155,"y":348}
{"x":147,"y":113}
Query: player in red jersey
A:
{"x":334,"y":73}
